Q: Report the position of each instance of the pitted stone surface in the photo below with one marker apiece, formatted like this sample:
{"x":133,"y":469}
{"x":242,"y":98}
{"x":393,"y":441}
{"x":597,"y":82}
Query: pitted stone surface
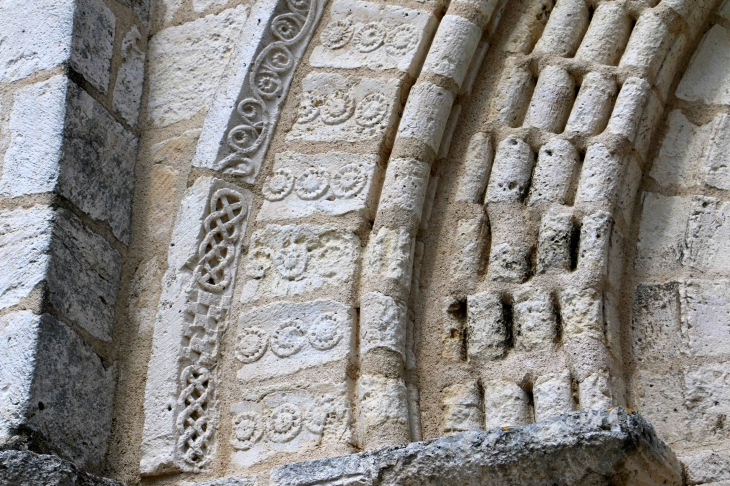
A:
{"x":706,"y":77}
{"x":129,"y":84}
{"x":93,"y":42}
{"x":24,"y":468}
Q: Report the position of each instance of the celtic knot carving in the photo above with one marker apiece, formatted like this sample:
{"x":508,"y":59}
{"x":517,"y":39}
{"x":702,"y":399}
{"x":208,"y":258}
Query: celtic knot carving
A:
{"x":266,"y":86}
{"x":193,"y":421}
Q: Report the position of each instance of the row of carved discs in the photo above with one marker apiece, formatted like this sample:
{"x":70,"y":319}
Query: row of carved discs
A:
{"x":288,"y":338}
{"x":369,"y":37}
{"x":313,"y":183}
{"x":338,"y":107}
{"x":284,"y":423}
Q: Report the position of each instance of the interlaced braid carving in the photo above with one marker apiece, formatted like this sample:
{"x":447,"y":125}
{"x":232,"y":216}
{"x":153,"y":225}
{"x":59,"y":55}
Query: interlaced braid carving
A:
{"x":206,"y":310}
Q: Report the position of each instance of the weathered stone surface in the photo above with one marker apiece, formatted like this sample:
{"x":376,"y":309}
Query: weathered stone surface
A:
{"x":187,"y":62}
{"x":331,"y":183}
{"x":707,"y":467}
{"x":24,"y":468}
{"x":463,"y":408}
{"x":59,"y":394}
{"x":676,"y":164}
{"x":706,"y":77}
{"x":506,"y":404}
{"x":128,"y":87}
{"x":363,"y":34}
{"x":334,"y":108}
{"x":577,"y":449}
{"x":36,"y":40}
{"x":93,"y":42}
{"x":663,"y":223}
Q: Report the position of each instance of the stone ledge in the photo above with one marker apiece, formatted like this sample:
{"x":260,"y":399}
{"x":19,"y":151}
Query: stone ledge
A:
{"x":24,"y":468}
{"x":576,"y":449}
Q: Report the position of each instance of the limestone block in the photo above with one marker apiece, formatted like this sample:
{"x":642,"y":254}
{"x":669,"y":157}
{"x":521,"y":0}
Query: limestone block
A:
{"x":389,"y":258}
{"x":554,"y":175}
{"x":26,"y":468}
{"x":593,"y":104}
{"x":594,"y":392}
{"x":25,"y":235}
{"x":707,"y":467}
{"x":453,"y":48}
{"x":128,"y":87}
{"x":294,"y":260}
{"x":706,"y":316}
{"x":648,"y":43}
{"x":511,"y":171}
{"x":553,"y":395}
{"x":477,"y":168}
{"x":649,"y":122}
{"x":677,"y":165}
{"x":629,"y":108}
{"x":661,"y":233}
{"x":37,"y":36}
{"x":530,"y":27}
{"x":660,"y":397}
{"x":382,"y":324}
{"x":707,"y":399}
{"x":330,"y":183}
{"x":554,"y":241}
{"x":707,"y":244}
{"x":462,"y":408}
{"x":54,"y":388}
{"x":469,"y":248}
{"x":191,"y":318}
{"x":717,"y":154}
{"x":705,"y":79}
{"x":285,"y":337}
{"x":404,"y":191}
{"x":505,"y":405}
{"x":426,"y":114}
{"x":93,"y":42}
{"x":668,"y":70}
{"x":607,"y":35}
{"x":84,"y":275}
{"x":601,"y":176}
{"x":513,"y":92}
{"x":282,"y":420}
{"x":363,"y":34}
{"x":694,"y":12}
{"x":595,"y":237}
{"x":565,"y":28}
{"x":186,"y":64}
{"x":237,"y":481}
{"x":334,"y":108}
{"x":534,"y":317}
{"x":552,"y":100}
{"x":582,"y":314}
{"x":487,"y":328}
{"x":383,"y":411}
{"x":657,"y":333}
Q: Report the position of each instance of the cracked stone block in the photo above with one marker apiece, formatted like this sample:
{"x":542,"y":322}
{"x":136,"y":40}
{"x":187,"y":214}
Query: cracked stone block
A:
{"x":74,"y":147}
{"x":93,"y":42}
{"x":37,"y":39}
{"x":186,"y":64}
{"x":706,"y":78}
{"x":128,"y":87}
{"x":332,"y":183}
{"x":706,"y":316}
{"x":54,"y":388}
{"x":363,"y":34}
{"x":462,"y":408}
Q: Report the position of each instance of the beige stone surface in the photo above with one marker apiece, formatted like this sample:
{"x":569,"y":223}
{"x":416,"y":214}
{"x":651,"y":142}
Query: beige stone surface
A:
{"x":706,"y":78}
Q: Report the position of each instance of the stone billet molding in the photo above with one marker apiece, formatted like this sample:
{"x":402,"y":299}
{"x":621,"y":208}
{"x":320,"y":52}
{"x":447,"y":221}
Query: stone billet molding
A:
{"x":390,"y":252}
{"x":246,"y":108}
{"x":181,"y":413}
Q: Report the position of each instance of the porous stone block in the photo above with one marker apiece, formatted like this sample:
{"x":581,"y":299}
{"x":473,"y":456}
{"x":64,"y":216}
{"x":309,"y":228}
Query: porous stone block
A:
{"x":600,"y":177}
{"x":404,"y":192}
{"x":74,"y":147}
{"x":382,"y":324}
{"x":552,"y":100}
{"x":330,"y":183}
{"x":505,"y":405}
{"x":477,"y":168}
{"x":677,"y":164}
{"x":554,"y":176}
{"x":334,"y":108}
{"x":707,"y":467}
{"x":706,"y":316}
{"x":93,"y":42}
{"x":553,"y":395}
{"x":705,"y":79}
{"x":661,"y":233}
{"x":290,"y":419}
{"x":708,"y":230}
{"x":628,"y":109}
{"x":594,"y":392}
{"x":55,"y":391}
{"x":383,"y":411}
{"x":363,"y":34}
{"x":452,"y":48}
{"x":657,"y":333}
{"x":426,"y":114}
{"x":389,"y":260}
{"x":534,"y":317}
{"x":648,"y":43}
{"x":284,"y":337}
{"x":127,"y":95}
{"x":595,"y":237}
{"x":487,"y":328}
{"x":565,"y":28}
{"x":187,"y":62}
{"x":707,"y":401}
{"x":469,"y":248}
{"x":593,"y":104}
{"x":582,"y":314}
{"x":660,"y":397}
{"x":37,"y":36}
{"x":300,"y":259}
{"x":511,"y":171}
{"x":462,"y":408}
{"x":607,"y":35}
{"x":28,"y":468}
{"x":513,"y":92}
{"x":554,"y":241}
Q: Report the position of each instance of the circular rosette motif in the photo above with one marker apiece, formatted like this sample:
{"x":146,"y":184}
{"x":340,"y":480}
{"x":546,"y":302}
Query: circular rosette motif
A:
{"x":312,"y":184}
{"x":278,"y":185}
{"x":267,"y":84}
{"x":337,"y":108}
{"x":287,"y":26}
{"x":372,"y":110}
{"x":278,"y":59}
{"x":285,"y":423}
{"x":337,"y":34}
{"x":348,"y":181}
{"x":401,"y":40}
{"x":308,"y":109}
{"x":325,"y":332}
{"x":288,"y":339}
{"x":238,"y":165}
{"x":291,"y":262}
{"x":247,"y":430}
{"x":251,"y":344}
{"x":369,"y":37}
